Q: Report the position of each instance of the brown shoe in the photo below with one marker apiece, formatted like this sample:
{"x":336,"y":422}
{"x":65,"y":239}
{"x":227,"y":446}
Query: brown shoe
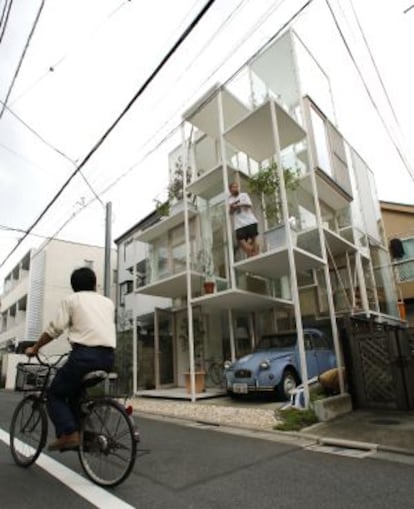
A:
{"x":65,"y":442}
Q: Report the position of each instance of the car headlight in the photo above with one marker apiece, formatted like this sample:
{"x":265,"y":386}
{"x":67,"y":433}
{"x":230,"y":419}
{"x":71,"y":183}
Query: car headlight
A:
{"x":227,"y":365}
{"x":264,"y":365}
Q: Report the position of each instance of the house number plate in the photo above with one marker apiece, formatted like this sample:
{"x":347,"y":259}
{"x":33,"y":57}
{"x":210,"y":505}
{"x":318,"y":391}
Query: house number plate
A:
{"x":240,"y":388}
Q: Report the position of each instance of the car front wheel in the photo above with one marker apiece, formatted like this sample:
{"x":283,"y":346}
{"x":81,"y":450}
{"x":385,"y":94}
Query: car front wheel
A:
{"x":287,"y":384}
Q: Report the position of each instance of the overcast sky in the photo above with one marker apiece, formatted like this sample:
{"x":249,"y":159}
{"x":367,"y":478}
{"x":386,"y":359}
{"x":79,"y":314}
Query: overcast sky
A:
{"x":87,"y":59}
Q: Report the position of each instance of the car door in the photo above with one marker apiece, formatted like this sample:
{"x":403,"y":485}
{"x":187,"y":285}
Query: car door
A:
{"x":311,"y":360}
{"x":324,"y":355}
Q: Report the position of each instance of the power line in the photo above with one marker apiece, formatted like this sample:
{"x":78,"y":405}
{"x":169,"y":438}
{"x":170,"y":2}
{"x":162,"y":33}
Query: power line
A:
{"x":375,"y":66}
{"x":177,"y":127}
{"x":180,"y":108}
{"x":52,"y":147}
{"x":408,"y":9}
{"x":397,"y":148}
{"x":26,"y":47}
{"x":5,"y":17}
{"x":21,"y":230}
{"x":98,"y":144}
{"x":3,"y":12}
{"x":36,"y":133}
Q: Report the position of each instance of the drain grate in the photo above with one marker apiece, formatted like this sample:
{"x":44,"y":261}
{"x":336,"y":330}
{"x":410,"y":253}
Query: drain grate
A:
{"x":385,"y":422}
{"x":341,"y":451}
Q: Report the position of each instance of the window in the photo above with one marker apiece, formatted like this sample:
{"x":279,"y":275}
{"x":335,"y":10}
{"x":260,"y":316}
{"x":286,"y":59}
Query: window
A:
{"x":319,"y":342}
{"x":404,"y":266}
{"x":141,"y":273}
{"x":124,"y":289}
{"x":321,"y":142}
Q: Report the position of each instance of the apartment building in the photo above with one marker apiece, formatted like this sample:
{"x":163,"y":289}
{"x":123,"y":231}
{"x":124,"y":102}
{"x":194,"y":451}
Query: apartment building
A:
{"x":399,"y":228}
{"x":33,"y":289}
{"x":322,"y":249}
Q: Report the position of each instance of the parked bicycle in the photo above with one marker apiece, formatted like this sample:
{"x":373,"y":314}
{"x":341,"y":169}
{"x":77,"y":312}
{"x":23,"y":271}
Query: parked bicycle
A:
{"x":214,"y":371}
{"x":108,"y":436}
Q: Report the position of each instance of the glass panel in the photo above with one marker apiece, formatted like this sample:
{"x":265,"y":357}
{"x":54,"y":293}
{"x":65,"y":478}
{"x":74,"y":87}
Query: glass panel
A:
{"x":313,"y":80}
{"x":166,"y":351}
{"x":267,"y":82}
{"x":384,"y":281}
{"x":408,"y":245}
{"x":405,"y":271}
{"x":321,"y":142}
{"x":145,"y":353}
{"x":277,"y":341}
{"x":371,"y":216}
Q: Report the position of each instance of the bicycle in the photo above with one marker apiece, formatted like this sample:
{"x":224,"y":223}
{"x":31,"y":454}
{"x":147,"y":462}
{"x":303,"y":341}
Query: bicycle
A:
{"x":108,"y":436}
{"x":214,"y":371}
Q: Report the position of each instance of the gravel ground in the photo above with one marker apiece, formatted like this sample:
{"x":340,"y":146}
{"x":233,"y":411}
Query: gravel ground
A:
{"x":251,"y":418}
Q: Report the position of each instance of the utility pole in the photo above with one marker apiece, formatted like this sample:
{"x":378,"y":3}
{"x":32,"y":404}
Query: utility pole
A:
{"x":108,"y":241}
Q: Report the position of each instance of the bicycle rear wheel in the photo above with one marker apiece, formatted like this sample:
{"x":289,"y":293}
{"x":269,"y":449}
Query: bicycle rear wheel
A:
{"x":215,"y":373}
{"x":28,"y":431}
{"x":108,"y":446}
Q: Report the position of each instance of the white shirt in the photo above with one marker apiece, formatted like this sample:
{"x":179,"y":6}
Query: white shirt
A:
{"x":89,"y":318}
{"x":243,"y":216}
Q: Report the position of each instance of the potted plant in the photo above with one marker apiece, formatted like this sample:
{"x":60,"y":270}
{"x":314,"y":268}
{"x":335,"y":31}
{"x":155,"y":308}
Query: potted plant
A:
{"x":266,"y":185}
{"x":206,"y":265}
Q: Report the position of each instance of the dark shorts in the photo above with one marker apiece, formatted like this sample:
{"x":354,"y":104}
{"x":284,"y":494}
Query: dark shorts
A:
{"x":247,"y":232}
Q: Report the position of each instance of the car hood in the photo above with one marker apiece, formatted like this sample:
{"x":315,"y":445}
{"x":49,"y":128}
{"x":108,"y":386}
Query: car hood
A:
{"x":254,"y":359}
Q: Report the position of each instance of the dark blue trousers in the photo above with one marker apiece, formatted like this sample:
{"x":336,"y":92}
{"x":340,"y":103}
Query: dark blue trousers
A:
{"x":66,"y":388}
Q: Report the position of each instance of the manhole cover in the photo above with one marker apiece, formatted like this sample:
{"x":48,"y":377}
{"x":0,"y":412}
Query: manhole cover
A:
{"x":385,"y":422}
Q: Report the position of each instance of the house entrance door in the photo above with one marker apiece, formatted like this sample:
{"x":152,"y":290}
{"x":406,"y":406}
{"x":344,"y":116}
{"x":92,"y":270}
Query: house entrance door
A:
{"x":164,"y":348}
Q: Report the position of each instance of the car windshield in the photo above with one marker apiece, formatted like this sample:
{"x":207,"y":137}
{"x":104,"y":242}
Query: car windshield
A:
{"x":279,"y":341}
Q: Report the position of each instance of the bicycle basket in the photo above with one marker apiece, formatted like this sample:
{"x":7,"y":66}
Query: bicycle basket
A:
{"x":31,"y":377}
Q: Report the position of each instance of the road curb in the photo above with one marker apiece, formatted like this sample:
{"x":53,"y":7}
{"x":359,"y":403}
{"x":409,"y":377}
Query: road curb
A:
{"x":396,"y":450}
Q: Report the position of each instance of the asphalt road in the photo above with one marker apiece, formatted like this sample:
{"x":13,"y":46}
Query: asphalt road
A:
{"x":194,"y":466}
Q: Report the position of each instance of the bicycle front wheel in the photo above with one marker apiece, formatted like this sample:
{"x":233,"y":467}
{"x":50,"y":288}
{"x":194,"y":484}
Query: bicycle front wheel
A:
{"x":28,"y":431}
{"x":108,"y":446}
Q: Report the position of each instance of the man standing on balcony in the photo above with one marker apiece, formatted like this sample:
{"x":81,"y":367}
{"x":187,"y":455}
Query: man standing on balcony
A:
{"x":244,"y":221}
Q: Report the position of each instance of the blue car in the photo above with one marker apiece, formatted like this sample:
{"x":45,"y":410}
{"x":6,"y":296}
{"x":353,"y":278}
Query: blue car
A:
{"x":274,"y":364}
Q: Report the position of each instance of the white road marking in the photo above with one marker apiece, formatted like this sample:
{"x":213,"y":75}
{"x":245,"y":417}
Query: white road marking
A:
{"x":97,"y":496}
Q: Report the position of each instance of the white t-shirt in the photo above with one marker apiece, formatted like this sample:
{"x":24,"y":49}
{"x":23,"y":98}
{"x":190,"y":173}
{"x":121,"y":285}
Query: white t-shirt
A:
{"x":242,"y":216}
{"x":88,"y":317}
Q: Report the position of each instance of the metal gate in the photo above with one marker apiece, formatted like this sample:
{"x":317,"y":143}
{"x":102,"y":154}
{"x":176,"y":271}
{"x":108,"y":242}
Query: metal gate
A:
{"x":379,"y":361}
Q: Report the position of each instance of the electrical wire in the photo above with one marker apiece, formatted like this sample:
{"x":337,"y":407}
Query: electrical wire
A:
{"x":177,"y":127}
{"x":377,"y":71}
{"x":397,"y":148}
{"x":52,"y":147}
{"x":238,"y":44}
{"x":22,"y":57}
{"x":5,"y":18}
{"x":3,"y":12}
{"x":99,"y":143}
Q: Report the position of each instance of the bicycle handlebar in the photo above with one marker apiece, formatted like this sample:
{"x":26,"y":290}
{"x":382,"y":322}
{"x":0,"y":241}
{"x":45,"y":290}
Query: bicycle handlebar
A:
{"x":46,"y":362}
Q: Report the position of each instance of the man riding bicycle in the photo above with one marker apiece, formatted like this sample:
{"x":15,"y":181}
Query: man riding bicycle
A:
{"x":89,"y":319}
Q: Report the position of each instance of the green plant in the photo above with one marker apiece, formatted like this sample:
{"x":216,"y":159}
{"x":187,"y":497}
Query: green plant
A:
{"x":175,"y":188}
{"x":266,"y":184}
{"x":294,"y":419}
{"x":205,"y":261}
{"x":163,"y":208}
